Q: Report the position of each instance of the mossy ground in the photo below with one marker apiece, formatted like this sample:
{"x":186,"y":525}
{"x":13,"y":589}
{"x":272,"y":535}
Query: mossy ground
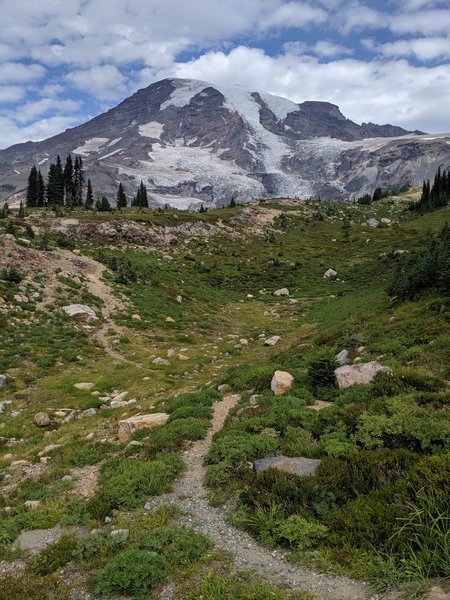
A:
{"x":227,"y":284}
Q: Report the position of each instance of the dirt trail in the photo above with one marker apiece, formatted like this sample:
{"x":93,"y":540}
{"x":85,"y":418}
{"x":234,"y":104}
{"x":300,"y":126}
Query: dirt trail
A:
{"x":190,"y":495}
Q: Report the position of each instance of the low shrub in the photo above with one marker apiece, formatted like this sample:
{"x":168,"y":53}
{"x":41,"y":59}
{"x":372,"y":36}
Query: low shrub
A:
{"x":180,"y":547}
{"x":321,"y":367}
{"x":55,"y":556}
{"x":133,"y":571}
{"x":301,"y":533}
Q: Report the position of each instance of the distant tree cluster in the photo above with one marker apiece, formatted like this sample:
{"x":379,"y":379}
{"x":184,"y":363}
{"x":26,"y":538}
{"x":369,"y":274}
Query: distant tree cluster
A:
{"x":381,"y":193}
{"x":65,"y":187}
{"x":423,"y":270}
{"x":435,"y":196}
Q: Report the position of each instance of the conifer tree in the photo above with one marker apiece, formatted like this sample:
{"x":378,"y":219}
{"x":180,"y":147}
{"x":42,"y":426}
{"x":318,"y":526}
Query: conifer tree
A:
{"x":55,"y":184}
{"x":232,"y":202}
{"x":141,"y":199}
{"x":68,"y":181}
{"x":89,"y":202}
{"x":78,"y":181}
{"x":121,"y":197}
{"x":21,"y":211}
{"x":40,"y":190}
{"x":32,"y":188}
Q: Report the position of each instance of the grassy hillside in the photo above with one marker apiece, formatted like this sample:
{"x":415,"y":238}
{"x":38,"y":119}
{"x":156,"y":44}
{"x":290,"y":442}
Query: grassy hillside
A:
{"x":377,"y":507}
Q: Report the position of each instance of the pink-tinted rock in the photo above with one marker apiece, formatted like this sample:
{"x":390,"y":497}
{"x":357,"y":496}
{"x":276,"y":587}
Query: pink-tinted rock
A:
{"x":128,"y":426}
{"x":349,"y":375}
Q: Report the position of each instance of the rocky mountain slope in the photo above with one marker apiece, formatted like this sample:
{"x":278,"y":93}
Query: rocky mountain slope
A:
{"x":193,"y":142}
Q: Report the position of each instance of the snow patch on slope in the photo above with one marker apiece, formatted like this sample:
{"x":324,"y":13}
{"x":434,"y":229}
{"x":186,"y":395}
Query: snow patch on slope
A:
{"x":91,"y":145}
{"x":280,"y":107}
{"x":151,"y":130}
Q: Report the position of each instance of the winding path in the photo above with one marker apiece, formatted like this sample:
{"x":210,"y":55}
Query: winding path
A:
{"x":190,"y":495}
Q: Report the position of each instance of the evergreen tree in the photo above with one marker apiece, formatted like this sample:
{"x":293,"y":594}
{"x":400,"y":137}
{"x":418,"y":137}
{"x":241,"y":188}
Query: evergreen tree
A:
{"x":89,"y":202}
{"x":55,"y":184}
{"x":202,"y":209}
{"x":141,"y":199}
{"x":435,"y":196}
{"x":121,"y":197}
{"x":40,"y":190}
{"x":32,"y":188}
{"x":78,"y":181}
{"x":21,"y":211}
{"x":232,"y":202}
{"x":103,"y":205}
{"x":69,"y":190}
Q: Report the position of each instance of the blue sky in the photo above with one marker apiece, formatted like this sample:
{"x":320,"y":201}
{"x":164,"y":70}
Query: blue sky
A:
{"x":62,"y":62}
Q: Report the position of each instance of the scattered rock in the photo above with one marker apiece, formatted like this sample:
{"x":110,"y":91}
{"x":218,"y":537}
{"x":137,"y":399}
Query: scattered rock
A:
{"x":108,"y":520}
{"x":67,"y":478}
{"x":244,"y":342}
{"x":281,"y":382}
{"x":224,"y":388}
{"x":281,"y":292}
{"x":272,"y":341}
{"x":372,"y":222}
{"x":119,"y":396}
{"x":121,"y":403}
{"x":121,"y":534}
{"x":330,"y":274}
{"x":42,"y":419}
{"x":386,"y":221}
{"x":32,"y":504}
{"x":347,"y":375}
{"x":179,"y":299}
{"x":2,"y":380}
{"x":253,"y":400}
{"x":342,"y":357}
{"x":128,"y":426}
{"x":160,"y":361}
{"x":169,"y":320}
{"x":136,"y":317}
{"x":171,"y":353}
{"x":296,"y":465}
{"x":320,"y":405}
{"x":48,"y":449}
{"x":84,"y":385}
{"x":81,"y":312}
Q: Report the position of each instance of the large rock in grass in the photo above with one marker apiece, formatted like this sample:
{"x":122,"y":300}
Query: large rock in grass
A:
{"x":281,"y":382}
{"x":281,"y":292}
{"x":81,"y":312}
{"x":2,"y":380}
{"x":298,"y":465}
{"x":330,"y":274}
{"x":41,"y":419}
{"x":349,"y":375}
{"x":128,"y":426}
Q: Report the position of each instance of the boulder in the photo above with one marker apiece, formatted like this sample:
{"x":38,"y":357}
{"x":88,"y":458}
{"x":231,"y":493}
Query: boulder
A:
{"x":272,"y":341}
{"x":81,"y":312}
{"x":224,"y":388}
{"x":160,"y":361}
{"x":42,"y":419}
{"x":128,"y":426}
{"x":372,"y":222}
{"x":281,"y":382}
{"x":136,"y":317}
{"x":349,"y":375}
{"x":297,"y":465}
{"x":330,"y":274}
{"x":281,"y":292}
{"x":84,"y":385}
{"x":169,"y":320}
{"x":120,"y":534}
{"x":342,"y":357}
{"x":2,"y":380}
{"x":244,"y":342}
{"x":179,"y":299}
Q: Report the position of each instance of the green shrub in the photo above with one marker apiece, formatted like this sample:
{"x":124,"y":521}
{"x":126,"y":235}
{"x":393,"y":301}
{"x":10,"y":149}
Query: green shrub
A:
{"x":26,"y":585}
{"x":299,"y":442}
{"x":55,"y":556}
{"x":321,"y":368}
{"x":180,"y":547}
{"x":88,"y":455}
{"x":133,"y":571}
{"x":245,"y":377}
{"x":302,"y":533}
{"x":173,"y":435}
{"x":126,"y":484}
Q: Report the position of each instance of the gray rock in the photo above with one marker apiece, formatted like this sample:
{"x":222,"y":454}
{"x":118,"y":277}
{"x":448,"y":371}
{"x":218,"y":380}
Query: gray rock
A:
{"x":120,"y":534}
{"x":162,"y":362}
{"x":330,"y":274}
{"x":373,"y":222}
{"x":281,"y":382}
{"x":224,"y":388}
{"x":80,"y":312}
{"x":2,"y":380}
{"x":281,"y":292}
{"x":42,"y":419}
{"x":272,"y":341}
{"x":342,"y":357}
{"x":297,"y":465}
{"x":349,"y":375}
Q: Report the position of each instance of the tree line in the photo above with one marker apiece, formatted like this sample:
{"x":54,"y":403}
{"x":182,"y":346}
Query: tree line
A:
{"x":65,"y":186}
{"x":434,"y":196}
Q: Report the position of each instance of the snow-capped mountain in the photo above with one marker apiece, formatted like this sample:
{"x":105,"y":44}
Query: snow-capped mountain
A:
{"x":193,"y":142}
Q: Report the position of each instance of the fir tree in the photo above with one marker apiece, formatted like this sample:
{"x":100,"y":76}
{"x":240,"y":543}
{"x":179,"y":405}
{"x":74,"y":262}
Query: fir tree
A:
{"x":40,"y":190}
{"x":232,"y":202}
{"x":121,"y":197}
{"x":202,"y":209}
{"x":141,"y":199}
{"x":55,"y":184}
{"x":32,"y":188}
{"x":103,"y":205}
{"x":89,"y":202}
{"x":21,"y":211}
{"x":78,"y":181}
{"x":69,"y":191}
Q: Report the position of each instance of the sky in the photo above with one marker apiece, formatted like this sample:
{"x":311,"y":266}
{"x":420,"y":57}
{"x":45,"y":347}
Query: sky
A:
{"x":64,"y":61}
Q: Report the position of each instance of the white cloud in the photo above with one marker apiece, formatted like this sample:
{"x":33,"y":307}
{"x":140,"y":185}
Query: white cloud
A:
{"x":386,"y":91}
{"x":10,"y":133}
{"x":11,"y":72}
{"x":105,"y":82}
{"x":424,"y":49}
{"x":330,"y":49}
{"x":32,"y":110}
{"x":11,"y":93}
{"x":423,"y":22}
{"x":293,"y":14}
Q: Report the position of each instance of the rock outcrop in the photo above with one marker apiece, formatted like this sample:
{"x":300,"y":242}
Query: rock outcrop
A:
{"x":349,"y":375}
{"x":281,"y":382}
{"x":128,"y":426}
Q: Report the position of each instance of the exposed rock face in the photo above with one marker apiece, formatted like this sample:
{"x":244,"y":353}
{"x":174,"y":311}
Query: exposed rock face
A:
{"x":281,"y":382}
{"x":349,"y":375}
{"x":195,"y":143}
{"x":296,"y":465}
{"x":128,"y":426}
{"x":80,"y":312}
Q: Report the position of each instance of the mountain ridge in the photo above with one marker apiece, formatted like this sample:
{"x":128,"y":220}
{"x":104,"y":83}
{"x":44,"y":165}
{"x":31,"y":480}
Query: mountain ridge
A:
{"x":196,"y":143}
